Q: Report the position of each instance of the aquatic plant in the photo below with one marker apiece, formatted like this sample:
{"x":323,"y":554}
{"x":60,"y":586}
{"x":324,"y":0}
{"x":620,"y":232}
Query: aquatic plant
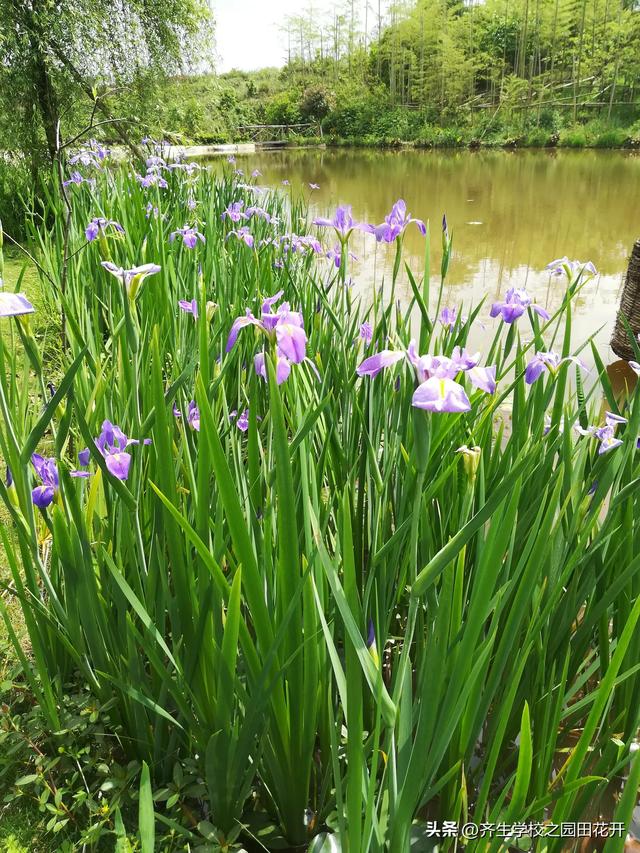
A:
{"x":396,"y":589}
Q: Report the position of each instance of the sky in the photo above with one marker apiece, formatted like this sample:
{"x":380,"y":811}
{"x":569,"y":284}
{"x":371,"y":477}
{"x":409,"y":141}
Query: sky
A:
{"x":248,"y":34}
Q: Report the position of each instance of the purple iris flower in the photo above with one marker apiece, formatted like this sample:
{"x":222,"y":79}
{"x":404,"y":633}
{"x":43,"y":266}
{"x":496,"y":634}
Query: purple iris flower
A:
{"x":396,"y":222}
{"x":256,"y":173}
{"x":570,"y":268}
{"x":47,"y":471}
{"x":98,"y":225}
{"x":112,"y":444}
{"x":548,"y":424}
{"x":287,"y":325}
{"x":231,"y":160}
{"x":189,"y":307}
{"x":244,"y":235}
{"x":84,"y":456}
{"x":189,"y":236}
{"x":9,"y":478}
{"x":335,"y":255}
{"x":437,"y":389}
{"x":463,"y":360}
{"x":100,"y":151}
{"x":193,"y":416}
{"x":483,"y":378}
{"x":607,"y":439}
{"x":260,"y":213}
{"x":514,"y":305}
{"x":187,"y":168}
{"x":343,"y":223}
{"x":85,"y":157}
{"x":152,"y":179}
{"x":290,"y":336}
{"x":314,"y":186}
{"x":366,"y":332}
{"x":242,"y":421}
{"x":284,"y":328}
{"x":549,"y":361}
{"x":301,"y":244}
{"x":283,"y":367}
{"x":14,"y":304}
{"x":448,"y":317}
{"x":234,"y":212}
{"x":441,"y":395}
{"x":429,"y":367}
{"x":606,"y":434}
{"x":77,"y":178}
{"x":286,"y":183}
{"x":375,"y":363}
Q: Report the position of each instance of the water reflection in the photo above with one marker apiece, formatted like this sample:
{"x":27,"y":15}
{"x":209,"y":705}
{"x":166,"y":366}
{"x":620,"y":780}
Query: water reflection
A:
{"x":510,"y":213}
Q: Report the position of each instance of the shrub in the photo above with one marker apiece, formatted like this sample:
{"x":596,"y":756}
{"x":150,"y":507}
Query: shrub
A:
{"x":283,"y":109}
{"x":573,"y":137}
{"x":16,"y":185}
{"x":615,"y":137}
{"x":317,"y":102}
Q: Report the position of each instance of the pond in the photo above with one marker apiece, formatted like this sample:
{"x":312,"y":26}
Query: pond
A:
{"x":510,"y":213}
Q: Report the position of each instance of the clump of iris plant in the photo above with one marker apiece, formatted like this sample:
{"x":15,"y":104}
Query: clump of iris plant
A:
{"x":438,"y":389}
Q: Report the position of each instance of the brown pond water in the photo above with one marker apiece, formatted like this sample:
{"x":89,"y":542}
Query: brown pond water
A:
{"x":510,"y":214}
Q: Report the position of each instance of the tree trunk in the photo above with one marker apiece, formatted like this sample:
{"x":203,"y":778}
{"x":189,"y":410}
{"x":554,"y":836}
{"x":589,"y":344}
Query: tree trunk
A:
{"x":47,"y":103}
{"x":45,"y":95}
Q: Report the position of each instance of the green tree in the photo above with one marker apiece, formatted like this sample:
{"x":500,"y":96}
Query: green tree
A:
{"x":53,"y":53}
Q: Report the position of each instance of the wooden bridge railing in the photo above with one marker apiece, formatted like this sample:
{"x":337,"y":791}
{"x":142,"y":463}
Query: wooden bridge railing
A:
{"x":277,"y":132}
